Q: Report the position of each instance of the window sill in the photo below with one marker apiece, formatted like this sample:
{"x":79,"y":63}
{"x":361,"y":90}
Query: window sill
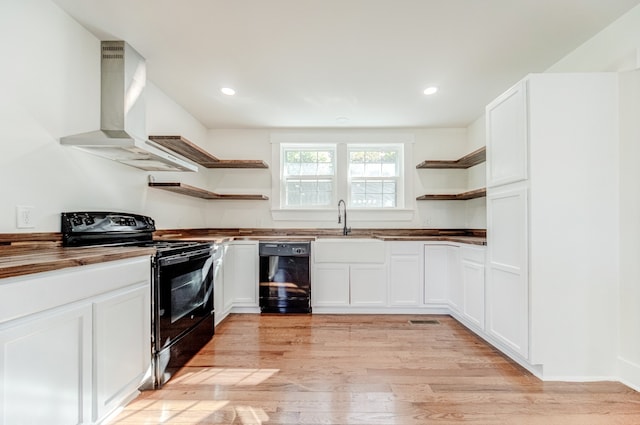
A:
{"x":331,"y":215}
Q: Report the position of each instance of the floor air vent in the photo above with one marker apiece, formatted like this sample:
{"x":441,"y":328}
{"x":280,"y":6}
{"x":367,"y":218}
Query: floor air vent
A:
{"x":424,"y":322}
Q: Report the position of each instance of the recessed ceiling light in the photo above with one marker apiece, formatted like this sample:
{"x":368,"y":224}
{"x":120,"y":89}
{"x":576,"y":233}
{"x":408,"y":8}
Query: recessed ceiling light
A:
{"x":342,"y":120}
{"x":430,"y":90}
{"x":228,"y":91}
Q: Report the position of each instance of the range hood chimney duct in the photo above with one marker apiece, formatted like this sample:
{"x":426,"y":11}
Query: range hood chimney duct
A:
{"x":122,"y":115}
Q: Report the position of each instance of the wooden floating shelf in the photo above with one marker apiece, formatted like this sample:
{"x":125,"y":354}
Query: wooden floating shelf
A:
{"x":474,"y":158}
{"x":189,"y":150}
{"x":185,"y":189}
{"x":472,"y":194}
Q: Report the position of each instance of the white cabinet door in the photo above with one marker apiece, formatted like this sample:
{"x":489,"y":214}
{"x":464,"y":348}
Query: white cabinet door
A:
{"x":221,"y":302}
{"x":507,"y":137}
{"x":45,"y":368}
{"x":455,"y":289}
{"x":405,"y":280}
{"x":473,"y":288}
{"x":436,"y":274}
{"x":243,"y":267}
{"x":368,"y":285}
{"x":330,"y":285}
{"x":507,"y":267}
{"x":122,"y":344}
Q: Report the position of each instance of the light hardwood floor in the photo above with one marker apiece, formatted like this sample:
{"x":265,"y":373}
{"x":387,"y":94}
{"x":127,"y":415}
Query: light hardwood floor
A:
{"x":369,"y":370}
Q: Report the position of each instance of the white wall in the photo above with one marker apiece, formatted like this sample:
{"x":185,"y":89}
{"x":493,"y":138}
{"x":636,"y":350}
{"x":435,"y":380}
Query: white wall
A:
{"x":629,"y":316}
{"x":476,"y":209}
{"x":50,"y":87}
{"x":256,"y":144}
{"x":617,"y":48}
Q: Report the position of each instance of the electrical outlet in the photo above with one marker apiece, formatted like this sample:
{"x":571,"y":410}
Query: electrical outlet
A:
{"x":427,"y":221}
{"x":24,"y":217}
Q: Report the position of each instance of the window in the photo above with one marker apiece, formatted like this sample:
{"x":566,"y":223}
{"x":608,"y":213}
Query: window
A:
{"x":374,"y":174}
{"x":367,"y":176}
{"x":308,"y":176}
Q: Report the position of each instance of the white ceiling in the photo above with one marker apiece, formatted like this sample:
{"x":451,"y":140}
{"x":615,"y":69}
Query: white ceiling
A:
{"x":305,"y":63}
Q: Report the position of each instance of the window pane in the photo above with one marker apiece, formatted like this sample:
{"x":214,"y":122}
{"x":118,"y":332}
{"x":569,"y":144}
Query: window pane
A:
{"x":292,"y":169}
{"x":356,"y":157}
{"x":389,"y":200}
{"x":389,"y":170}
{"x":356,"y":170}
{"x":325,"y":169}
{"x":372,"y":170}
{"x":374,"y":186}
{"x":308,"y":169}
{"x":324,"y":186}
{"x":358,"y":187}
{"x":292,"y":156}
{"x":372,"y":157}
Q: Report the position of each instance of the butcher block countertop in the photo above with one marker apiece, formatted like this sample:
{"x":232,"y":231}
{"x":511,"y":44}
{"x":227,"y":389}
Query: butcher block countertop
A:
{"x":23,"y":254}
{"x":24,"y":259}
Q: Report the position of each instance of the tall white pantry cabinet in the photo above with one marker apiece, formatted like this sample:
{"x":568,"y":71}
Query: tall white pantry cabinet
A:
{"x":552,"y":198}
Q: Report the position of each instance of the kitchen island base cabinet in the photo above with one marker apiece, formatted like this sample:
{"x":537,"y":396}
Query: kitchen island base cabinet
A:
{"x":80,"y":348}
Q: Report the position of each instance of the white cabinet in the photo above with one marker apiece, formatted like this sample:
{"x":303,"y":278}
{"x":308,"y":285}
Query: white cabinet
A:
{"x":368,"y":285}
{"x":349,"y":272}
{"x":330,"y":285}
{"x":507,"y":131}
{"x":79,"y":347}
{"x":437,"y":274}
{"x":454,"y":271}
{"x":548,"y":268}
{"x":45,"y":368}
{"x":122,"y":324}
{"x":241,"y":274}
{"x":405,"y":274}
{"x":223,"y":293}
{"x":507,"y":274}
{"x":473,"y":260}
{"x":341,"y":285}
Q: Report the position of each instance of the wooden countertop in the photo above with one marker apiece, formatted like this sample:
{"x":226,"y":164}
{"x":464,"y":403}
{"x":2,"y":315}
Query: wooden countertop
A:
{"x":27,"y":259}
{"x":43,"y":252}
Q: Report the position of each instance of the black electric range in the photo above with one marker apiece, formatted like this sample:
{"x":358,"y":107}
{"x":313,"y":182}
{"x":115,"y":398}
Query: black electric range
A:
{"x":182,"y":282}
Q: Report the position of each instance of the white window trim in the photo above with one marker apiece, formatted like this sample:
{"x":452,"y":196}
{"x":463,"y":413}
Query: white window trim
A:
{"x":341,"y":139}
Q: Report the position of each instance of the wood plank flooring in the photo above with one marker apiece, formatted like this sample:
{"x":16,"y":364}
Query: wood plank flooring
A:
{"x":367,"y":370}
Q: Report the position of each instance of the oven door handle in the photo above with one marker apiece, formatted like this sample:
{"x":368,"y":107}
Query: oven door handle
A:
{"x":174,"y":260}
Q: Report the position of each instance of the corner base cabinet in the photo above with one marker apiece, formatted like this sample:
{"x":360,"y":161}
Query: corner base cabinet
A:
{"x":80,"y":347}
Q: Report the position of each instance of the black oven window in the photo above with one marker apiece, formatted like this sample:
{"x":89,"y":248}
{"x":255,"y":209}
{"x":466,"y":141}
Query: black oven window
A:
{"x":186,"y":295}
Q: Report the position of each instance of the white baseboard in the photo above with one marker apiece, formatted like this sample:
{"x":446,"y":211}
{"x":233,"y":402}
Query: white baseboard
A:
{"x":629,"y":373}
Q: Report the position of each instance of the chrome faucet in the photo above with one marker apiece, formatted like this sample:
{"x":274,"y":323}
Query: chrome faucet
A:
{"x":345,"y":230}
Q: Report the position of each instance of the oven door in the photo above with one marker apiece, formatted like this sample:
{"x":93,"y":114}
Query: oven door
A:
{"x":184,"y":295}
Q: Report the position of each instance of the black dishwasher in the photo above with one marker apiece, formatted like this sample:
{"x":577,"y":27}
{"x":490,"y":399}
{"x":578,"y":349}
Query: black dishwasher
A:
{"x":285,"y":280}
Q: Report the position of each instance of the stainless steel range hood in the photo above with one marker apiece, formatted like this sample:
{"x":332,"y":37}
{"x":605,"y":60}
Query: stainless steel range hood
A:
{"x":122,"y":115}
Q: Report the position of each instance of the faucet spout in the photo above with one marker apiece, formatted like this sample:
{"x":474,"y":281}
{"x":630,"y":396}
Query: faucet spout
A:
{"x":345,"y":230}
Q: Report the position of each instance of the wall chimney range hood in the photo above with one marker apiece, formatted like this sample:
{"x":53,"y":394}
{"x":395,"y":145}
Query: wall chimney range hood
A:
{"x":122,"y":115}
